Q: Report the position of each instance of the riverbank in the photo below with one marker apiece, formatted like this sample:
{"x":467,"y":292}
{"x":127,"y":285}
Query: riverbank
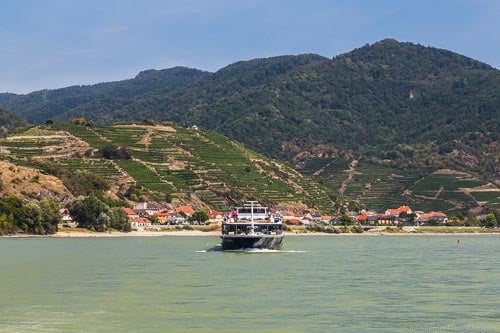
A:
{"x":406,"y":231}
{"x":65,"y":234}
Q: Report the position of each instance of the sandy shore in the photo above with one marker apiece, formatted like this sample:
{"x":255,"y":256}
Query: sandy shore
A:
{"x":181,"y":233}
{"x":62,"y":234}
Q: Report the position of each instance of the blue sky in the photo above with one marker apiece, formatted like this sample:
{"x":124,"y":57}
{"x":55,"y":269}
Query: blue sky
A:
{"x":58,"y":43}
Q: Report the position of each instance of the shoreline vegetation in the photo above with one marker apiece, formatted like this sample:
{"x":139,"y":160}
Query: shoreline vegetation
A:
{"x":380,"y":231}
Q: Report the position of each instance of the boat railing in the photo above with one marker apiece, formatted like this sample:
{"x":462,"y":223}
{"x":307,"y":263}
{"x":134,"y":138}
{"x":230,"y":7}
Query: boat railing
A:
{"x":256,"y":221}
{"x":240,"y":232}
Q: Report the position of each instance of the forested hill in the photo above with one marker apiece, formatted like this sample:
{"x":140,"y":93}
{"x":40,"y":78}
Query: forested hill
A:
{"x":385,"y":101}
{"x":106,"y":100}
{"x":9,"y":121}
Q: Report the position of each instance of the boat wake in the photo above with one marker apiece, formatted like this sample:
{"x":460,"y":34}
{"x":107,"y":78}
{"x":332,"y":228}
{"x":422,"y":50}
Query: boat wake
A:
{"x":250,"y":250}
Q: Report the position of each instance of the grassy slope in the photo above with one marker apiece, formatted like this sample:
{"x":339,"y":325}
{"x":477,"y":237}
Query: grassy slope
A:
{"x":188,"y":165}
{"x":378,"y":187}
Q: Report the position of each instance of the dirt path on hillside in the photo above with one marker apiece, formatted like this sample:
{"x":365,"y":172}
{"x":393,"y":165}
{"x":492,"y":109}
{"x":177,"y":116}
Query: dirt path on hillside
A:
{"x":441,"y":188}
{"x":320,"y":171}
{"x":350,"y":175}
{"x":146,"y":139}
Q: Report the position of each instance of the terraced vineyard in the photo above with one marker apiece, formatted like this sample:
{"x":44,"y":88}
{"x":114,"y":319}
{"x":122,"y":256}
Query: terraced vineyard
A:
{"x":188,"y":165}
{"x":100,"y":167}
{"x":378,"y":187}
{"x":491,"y":197}
{"x":185,"y":164}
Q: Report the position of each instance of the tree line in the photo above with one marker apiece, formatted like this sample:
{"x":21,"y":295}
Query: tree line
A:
{"x":43,"y":217}
{"x":29,"y":217}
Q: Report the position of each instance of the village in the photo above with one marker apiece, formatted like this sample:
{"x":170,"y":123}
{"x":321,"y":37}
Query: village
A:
{"x":147,"y":215}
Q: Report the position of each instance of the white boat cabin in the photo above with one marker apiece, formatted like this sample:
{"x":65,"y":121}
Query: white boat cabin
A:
{"x":252,"y":210}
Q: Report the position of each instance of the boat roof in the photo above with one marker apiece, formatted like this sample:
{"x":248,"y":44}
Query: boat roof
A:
{"x":249,"y":204}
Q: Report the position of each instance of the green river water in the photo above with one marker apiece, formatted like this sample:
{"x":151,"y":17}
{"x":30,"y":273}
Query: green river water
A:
{"x":316,"y":284}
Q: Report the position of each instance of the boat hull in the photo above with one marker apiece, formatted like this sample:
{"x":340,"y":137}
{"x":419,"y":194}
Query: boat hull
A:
{"x":238,"y":242}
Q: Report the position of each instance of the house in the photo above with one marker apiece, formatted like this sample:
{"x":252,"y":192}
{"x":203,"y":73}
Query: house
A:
{"x":436,"y":216}
{"x":316,"y":217}
{"x":291,"y":220}
{"x":325,"y":218}
{"x":307,"y":219}
{"x":352,"y":214}
{"x":405,"y":209}
{"x":131,"y":214}
{"x":175,"y":219}
{"x":397,"y":211}
{"x":362,"y":218}
{"x":215,"y":214}
{"x":287,"y":216}
{"x":145,"y":208}
{"x":140,"y":223}
{"x":373,"y":218}
{"x":334,"y":220}
{"x":66,"y":216}
{"x":186,"y":210}
{"x":162,"y":215}
{"x":385,"y":219}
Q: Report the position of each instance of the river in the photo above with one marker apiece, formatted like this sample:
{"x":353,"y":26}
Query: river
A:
{"x":316,"y":284}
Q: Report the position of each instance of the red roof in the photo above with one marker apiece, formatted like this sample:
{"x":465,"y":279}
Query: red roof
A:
{"x":362,"y":217}
{"x":185,"y":209}
{"x":404,"y":209}
{"x":397,"y":211}
{"x":129,"y":211}
{"x":162,"y":213}
{"x":292,"y":220}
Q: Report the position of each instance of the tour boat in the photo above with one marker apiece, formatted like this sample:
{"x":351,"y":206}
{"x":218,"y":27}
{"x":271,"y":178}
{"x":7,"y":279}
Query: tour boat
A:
{"x":251,"y":227}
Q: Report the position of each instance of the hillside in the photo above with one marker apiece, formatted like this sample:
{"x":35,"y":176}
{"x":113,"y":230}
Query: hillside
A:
{"x":8,"y":122}
{"x":391,"y":105}
{"x":29,"y":182}
{"x":164,"y":163}
{"x":106,"y":99}
{"x":368,"y":101}
{"x":377,"y":187}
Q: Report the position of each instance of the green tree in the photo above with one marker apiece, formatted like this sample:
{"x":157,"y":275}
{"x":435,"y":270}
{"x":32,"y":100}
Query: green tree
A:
{"x":112,"y":151}
{"x":108,"y":151}
{"x":51,"y":214}
{"x":345,"y":220}
{"x":496,"y":212}
{"x":83,"y":182}
{"x":154,"y":219}
{"x":13,"y":206}
{"x":119,"y":220}
{"x":490,"y":221}
{"x":7,"y":226}
{"x":89,"y":212}
{"x":32,"y":217}
{"x":200,"y":216}
{"x":472,"y":222}
{"x":432,"y":222}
